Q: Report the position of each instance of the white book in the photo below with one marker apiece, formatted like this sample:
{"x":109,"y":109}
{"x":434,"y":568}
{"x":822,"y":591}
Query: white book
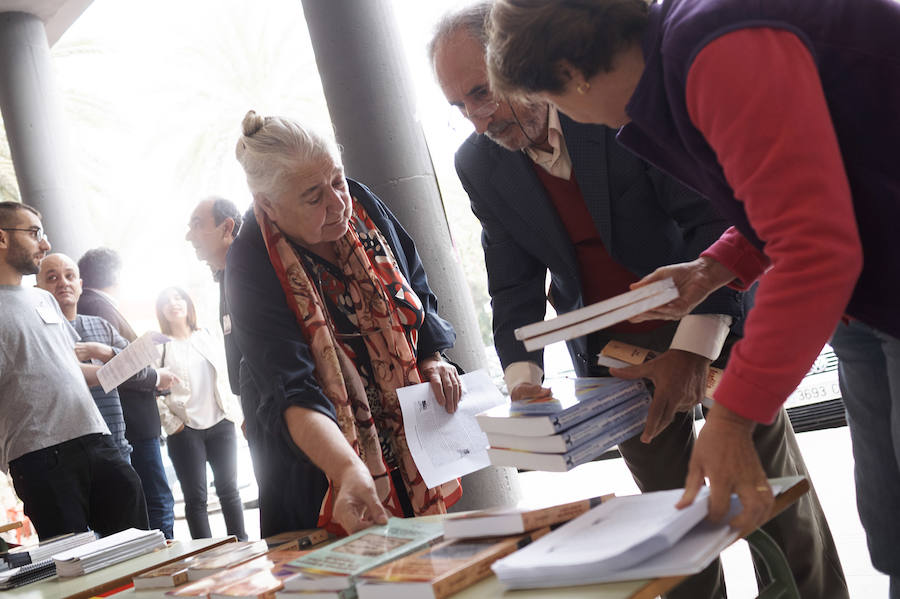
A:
{"x":592,"y":311}
{"x":563,"y":462}
{"x":627,"y":538}
{"x":615,"y":535}
{"x":601,"y":321}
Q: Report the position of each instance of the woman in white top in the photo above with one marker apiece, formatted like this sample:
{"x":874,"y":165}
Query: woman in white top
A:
{"x":197,"y":416}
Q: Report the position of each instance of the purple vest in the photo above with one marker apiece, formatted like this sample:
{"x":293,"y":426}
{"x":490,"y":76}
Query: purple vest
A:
{"x":856,"y":46}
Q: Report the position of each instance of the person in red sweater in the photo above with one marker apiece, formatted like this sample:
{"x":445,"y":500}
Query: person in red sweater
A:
{"x":783,"y":115}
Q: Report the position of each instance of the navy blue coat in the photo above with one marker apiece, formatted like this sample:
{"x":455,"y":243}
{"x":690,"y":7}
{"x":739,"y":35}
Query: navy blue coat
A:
{"x":644,"y":218}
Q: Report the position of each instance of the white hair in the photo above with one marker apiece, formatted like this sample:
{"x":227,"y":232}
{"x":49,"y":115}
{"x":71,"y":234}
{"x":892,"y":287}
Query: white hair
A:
{"x":272,"y":146}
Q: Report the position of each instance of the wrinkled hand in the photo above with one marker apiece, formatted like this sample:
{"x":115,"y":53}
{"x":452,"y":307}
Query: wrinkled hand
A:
{"x":90,"y":350}
{"x":724,"y":453}
{"x":695,"y":280}
{"x":444,"y":381}
{"x":679,"y":380}
{"x":529,"y":391}
{"x":356,"y":504}
{"x":167,"y":378}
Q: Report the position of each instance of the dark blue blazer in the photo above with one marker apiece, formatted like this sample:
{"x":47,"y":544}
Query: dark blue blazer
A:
{"x":644,"y":218}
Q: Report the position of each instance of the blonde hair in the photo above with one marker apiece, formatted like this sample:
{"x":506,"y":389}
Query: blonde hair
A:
{"x":273,"y":146}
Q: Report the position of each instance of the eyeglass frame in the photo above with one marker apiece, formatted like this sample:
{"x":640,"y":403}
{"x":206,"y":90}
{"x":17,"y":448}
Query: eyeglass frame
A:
{"x":37,"y":233}
{"x":483,"y":111}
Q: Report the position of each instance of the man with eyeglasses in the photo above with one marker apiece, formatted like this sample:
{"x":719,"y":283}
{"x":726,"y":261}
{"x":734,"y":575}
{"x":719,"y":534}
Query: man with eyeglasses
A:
{"x":65,"y":467}
{"x":555,"y":195}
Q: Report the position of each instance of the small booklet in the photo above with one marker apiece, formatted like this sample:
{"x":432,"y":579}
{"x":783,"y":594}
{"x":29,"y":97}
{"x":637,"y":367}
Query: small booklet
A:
{"x":597,"y":316}
{"x":335,"y":566}
{"x":442,"y":570}
{"x":220,"y":558}
{"x":304,"y":538}
{"x":602,"y":424}
{"x":573,"y":400}
{"x":525,"y":516}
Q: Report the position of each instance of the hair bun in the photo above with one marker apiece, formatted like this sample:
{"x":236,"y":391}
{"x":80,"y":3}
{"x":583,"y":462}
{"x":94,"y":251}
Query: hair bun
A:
{"x":252,"y":123}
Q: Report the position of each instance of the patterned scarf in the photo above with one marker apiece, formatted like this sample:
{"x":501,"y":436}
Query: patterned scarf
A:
{"x":373,"y":279}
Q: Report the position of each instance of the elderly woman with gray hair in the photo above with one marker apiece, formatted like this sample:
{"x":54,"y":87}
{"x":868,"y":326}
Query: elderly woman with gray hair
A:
{"x":333,"y":313}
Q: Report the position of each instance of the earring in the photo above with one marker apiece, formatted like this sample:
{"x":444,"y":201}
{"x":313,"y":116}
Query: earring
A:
{"x":583,"y":87}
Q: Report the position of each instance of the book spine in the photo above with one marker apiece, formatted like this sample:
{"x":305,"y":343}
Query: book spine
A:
{"x":591,"y":428}
{"x":586,"y":409}
{"x":589,"y":451}
{"x":557,"y":513}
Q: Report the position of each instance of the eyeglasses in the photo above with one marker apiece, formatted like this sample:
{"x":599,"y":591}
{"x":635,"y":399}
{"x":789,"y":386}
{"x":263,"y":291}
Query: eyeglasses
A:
{"x":482,"y":112}
{"x":36,"y":232}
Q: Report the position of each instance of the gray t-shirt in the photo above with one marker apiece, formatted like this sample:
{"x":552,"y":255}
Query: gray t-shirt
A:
{"x":43,"y":396}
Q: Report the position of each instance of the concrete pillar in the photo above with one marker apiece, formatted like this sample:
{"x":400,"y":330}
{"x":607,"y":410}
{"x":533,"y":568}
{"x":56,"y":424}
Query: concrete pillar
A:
{"x":366,"y":81}
{"x":31,"y":110}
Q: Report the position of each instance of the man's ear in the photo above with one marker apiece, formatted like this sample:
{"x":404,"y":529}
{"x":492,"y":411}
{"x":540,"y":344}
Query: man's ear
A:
{"x":228,"y":227}
{"x":4,"y":239}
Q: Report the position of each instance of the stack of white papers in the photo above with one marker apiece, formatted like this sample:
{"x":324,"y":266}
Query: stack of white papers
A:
{"x":108,"y":551}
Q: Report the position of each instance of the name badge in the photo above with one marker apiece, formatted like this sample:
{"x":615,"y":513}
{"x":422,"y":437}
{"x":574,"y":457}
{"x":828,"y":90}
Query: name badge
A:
{"x":226,"y":324}
{"x":48,"y":314}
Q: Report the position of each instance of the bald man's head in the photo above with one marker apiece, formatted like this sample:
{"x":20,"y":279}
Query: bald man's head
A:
{"x":59,"y":275}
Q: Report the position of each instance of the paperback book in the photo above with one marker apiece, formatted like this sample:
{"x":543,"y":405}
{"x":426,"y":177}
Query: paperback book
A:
{"x":226,"y":556}
{"x":442,"y":570}
{"x":26,"y":554}
{"x":107,"y":551}
{"x":176,"y":573}
{"x":573,"y":400}
{"x":334,"y":567}
{"x":597,"y":316}
{"x":563,"y":462}
{"x":304,"y":539}
{"x":527,"y":515}
{"x":587,"y":431}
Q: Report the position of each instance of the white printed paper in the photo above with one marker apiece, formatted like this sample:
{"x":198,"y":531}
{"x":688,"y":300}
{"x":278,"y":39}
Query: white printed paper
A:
{"x":139,"y":354}
{"x":446,"y":446}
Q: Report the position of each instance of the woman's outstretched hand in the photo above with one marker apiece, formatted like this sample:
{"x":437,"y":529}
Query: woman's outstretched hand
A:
{"x":356,"y":504}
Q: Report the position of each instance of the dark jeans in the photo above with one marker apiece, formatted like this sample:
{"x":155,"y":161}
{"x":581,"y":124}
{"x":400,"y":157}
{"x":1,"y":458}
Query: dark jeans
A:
{"x":869,"y":372}
{"x":147,"y":462}
{"x":190,"y":450}
{"x":78,"y":485}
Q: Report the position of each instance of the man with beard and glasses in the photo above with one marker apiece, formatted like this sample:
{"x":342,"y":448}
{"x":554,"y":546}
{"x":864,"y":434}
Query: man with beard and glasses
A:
{"x":65,"y":467}
{"x":555,"y":195}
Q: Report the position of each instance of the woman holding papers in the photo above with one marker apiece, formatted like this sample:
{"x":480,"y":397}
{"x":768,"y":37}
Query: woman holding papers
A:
{"x":198,"y":415}
{"x":333,"y":313}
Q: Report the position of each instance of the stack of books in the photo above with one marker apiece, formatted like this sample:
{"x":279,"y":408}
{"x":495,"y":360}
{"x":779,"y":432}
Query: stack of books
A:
{"x":583,"y":418}
{"x":107,"y":551}
{"x":29,"y":554}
